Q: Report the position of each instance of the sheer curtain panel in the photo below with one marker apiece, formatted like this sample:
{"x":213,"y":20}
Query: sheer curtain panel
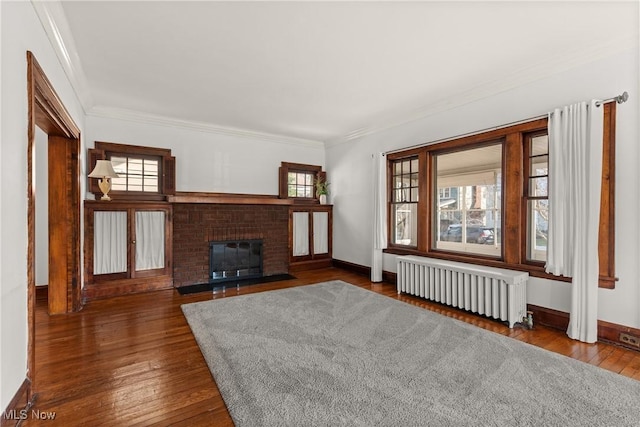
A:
{"x":109,"y":242}
{"x":379,"y":214}
{"x":149,"y":240}
{"x":575,"y":173}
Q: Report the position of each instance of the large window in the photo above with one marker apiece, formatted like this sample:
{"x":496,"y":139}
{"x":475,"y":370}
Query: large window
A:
{"x":483,"y":199}
{"x":467,"y":209}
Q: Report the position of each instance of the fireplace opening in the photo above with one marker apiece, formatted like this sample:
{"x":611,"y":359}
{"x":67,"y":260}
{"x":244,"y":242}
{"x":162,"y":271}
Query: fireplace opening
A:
{"x":235,"y":259}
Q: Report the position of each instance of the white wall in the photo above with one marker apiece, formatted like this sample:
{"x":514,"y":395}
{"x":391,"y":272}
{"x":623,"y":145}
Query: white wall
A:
{"x":349,"y":166}
{"x":42,"y":207}
{"x":210,"y":162}
{"x":20,"y":31}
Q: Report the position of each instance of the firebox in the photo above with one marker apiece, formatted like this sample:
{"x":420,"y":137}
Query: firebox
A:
{"x":235,"y":259}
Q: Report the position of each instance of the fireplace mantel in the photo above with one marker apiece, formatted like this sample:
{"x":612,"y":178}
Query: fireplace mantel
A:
{"x":227,"y":198}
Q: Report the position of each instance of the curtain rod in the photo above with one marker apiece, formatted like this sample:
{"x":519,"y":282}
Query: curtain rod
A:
{"x":619,"y":99}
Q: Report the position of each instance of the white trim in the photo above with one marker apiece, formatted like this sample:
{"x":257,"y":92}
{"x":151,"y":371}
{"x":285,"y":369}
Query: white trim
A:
{"x":55,"y":24}
{"x":152,"y":119}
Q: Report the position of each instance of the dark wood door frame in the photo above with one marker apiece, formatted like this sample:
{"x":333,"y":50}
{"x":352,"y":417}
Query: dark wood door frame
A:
{"x":46,"y":110}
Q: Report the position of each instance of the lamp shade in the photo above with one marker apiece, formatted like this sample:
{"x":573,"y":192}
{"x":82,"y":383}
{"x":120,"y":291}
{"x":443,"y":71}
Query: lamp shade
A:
{"x":103,"y":169}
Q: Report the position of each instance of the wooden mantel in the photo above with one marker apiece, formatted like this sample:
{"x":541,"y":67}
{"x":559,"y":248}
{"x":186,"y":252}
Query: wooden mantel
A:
{"x":227,"y":198}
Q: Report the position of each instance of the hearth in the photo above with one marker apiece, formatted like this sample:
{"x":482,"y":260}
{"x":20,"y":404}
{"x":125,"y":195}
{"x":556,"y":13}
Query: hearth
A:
{"x":235,"y":259}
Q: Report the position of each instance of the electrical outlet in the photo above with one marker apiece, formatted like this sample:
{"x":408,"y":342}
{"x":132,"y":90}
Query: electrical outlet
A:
{"x":630,"y":339}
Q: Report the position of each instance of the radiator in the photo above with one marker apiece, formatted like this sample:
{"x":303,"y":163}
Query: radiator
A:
{"x":493,"y":292}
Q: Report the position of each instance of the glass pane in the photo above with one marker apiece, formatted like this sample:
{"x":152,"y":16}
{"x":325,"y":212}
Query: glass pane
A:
{"x":539,"y":166}
{"x":537,"y":228}
{"x":469,"y":201}
{"x":538,"y":187}
{"x":151,"y":184}
{"x":308,"y":179}
{"x":291,"y":190}
{"x":414,"y":165}
{"x":397,"y":168}
{"x":291,"y":178}
{"x":151,"y":167}
{"x":134,"y":166}
{"x":119,"y":184}
{"x":397,"y":181}
{"x":405,"y":224}
{"x":540,"y":145}
{"x":413,"y":180}
{"x":119,"y":165}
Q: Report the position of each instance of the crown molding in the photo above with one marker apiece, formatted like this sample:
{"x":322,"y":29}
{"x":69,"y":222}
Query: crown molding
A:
{"x":152,"y":119}
{"x":526,"y":75}
{"x":55,"y":25}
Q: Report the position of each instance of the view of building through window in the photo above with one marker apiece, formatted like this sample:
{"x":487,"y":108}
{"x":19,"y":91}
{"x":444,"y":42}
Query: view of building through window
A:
{"x":469,"y":203}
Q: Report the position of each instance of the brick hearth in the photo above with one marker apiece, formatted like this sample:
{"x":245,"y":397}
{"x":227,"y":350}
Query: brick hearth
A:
{"x":196,"y":224}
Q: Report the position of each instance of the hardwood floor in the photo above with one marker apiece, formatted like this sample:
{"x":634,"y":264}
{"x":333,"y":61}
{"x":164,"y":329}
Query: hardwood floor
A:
{"x":132,"y":360}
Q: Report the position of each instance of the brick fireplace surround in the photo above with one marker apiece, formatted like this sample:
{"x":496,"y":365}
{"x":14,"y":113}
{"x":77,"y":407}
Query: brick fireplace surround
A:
{"x":196,"y":224}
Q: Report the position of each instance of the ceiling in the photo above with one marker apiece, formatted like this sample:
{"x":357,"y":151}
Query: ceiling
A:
{"x":319,"y":71}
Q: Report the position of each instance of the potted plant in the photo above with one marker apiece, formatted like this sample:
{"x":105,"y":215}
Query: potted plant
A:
{"x":322,"y":189}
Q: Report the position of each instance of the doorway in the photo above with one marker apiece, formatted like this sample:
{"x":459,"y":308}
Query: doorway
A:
{"x":46,"y":112}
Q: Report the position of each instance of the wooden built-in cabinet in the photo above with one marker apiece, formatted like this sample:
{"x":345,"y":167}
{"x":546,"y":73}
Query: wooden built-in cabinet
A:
{"x":310,"y":236}
{"x":127,"y":247}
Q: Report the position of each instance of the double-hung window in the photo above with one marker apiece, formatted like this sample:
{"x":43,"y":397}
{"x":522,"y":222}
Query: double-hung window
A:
{"x":404,"y":204}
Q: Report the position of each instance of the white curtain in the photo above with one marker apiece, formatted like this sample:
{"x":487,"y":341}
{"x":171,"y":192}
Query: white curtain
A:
{"x":300,"y":233}
{"x":149,"y":240}
{"x":379,"y":214}
{"x":575,"y":173}
{"x":320,"y":233}
{"x":109,"y":242}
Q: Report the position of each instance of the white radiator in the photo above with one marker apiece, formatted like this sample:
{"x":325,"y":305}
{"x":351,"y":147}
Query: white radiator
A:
{"x":493,"y":292}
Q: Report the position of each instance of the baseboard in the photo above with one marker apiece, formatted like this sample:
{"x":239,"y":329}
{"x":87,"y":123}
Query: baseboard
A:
{"x":354,"y":268}
{"x":363,"y":270}
{"x":624,"y":336}
{"x":18,"y":407}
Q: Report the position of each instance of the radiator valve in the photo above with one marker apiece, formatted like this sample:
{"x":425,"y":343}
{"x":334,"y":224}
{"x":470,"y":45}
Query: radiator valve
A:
{"x":529,"y":321}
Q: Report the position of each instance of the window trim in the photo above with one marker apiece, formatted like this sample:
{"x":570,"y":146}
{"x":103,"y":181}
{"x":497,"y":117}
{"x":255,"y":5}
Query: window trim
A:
{"x":513,"y":200}
{"x":286,"y":167}
{"x":166,"y":169}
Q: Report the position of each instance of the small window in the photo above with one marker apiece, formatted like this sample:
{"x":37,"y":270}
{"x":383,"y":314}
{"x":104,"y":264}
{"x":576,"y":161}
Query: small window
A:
{"x":300,"y":184}
{"x":298,"y":181}
{"x":144,"y":173}
{"x":136,"y":174}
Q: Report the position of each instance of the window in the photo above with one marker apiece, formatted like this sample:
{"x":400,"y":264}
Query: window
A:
{"x":136,"y":174}
{"x":483,"y":199}
{"x":469,"y":204}
{"x":536,"y":195}
{"x":404,"y":196}
{"x":145,"y":173}
{"x":300,"y":184}
{"x":298,"y":181}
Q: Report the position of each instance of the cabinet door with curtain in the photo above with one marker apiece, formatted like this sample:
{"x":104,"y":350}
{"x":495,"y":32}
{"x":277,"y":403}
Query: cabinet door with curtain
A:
{"x":310,"y":237}
{"x":127,"y":247}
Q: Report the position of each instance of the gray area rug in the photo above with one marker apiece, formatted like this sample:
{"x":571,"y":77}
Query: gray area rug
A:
{"x":335,"y":354}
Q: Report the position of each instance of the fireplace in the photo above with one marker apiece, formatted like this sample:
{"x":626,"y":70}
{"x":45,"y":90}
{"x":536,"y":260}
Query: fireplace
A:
{"x":234,"y":260}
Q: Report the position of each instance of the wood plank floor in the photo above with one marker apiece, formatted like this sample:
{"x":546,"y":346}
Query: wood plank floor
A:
{"x":132,"y":360}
